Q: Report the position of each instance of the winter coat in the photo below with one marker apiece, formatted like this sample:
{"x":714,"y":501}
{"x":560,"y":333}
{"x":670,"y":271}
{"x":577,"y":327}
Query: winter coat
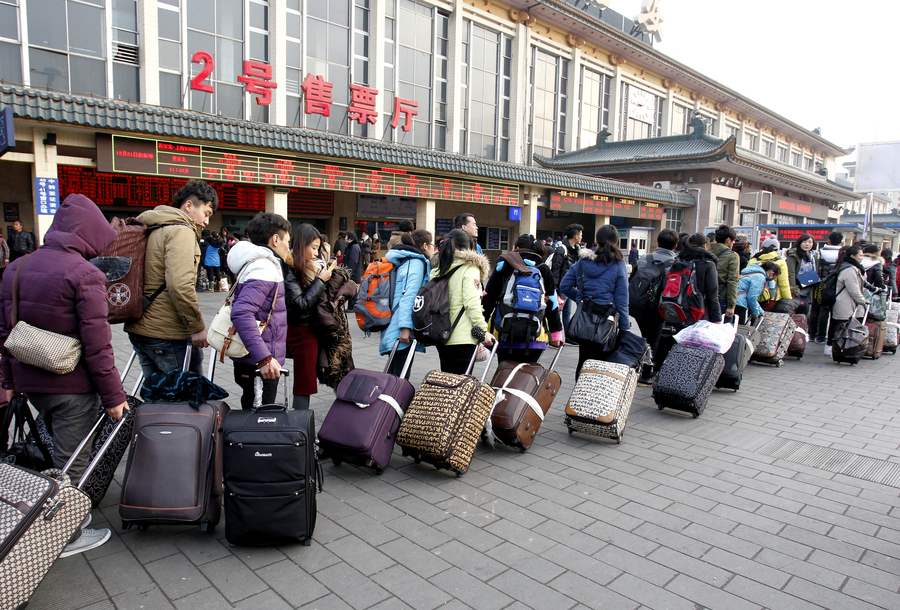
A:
{"x":851,"y":300}
{"x":211,"y":258}
{"x":259,"y":284}
{"x":522,"y":260}
{"x":172,"y":256}
{"x":783,"y":285}
{"x":559,"y":263}
{"x":828,"y":258}
{"x":4,"y":253}
{"x":633,"y":256}
{"x":890,"y":277}
{"x":412,"y":271}
{"x":301,"y":301}
{"x":794,"y":264}
{"x":340,"y":244}
{"x":729,"y":270}
{"x":60,"y":291}
{"x":707,"y":280}
{"x":603,"y":284}
{"x":353,"y":261}
{"x":874,"y":266}
{"x":465,"y":291}
{"x":667,"y":257}
{"x":335,"y":357}
{"x":750,"y":286}
{"x":20,"y":243}
{"x":745,"y":259}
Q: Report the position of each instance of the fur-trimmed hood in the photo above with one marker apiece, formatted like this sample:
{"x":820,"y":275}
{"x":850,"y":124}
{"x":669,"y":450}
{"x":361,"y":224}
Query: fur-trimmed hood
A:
{"x":463,"y":257}
{"x":870,"y":260}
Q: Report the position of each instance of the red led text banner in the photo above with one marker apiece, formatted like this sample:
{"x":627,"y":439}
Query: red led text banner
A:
{"x":173,"y":159}
{"x":605,"y":205}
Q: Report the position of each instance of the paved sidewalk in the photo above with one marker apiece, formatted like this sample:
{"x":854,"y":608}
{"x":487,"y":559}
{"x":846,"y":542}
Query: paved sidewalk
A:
{"x":781,"y":496}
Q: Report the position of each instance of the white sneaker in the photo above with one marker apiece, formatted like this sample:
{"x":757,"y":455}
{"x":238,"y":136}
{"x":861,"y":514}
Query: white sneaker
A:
{"x":89,"y":539}
{"x":828,"y":351}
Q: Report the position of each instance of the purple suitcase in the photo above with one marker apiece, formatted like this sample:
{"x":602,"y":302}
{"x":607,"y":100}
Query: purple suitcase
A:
{"x":361,"y":425}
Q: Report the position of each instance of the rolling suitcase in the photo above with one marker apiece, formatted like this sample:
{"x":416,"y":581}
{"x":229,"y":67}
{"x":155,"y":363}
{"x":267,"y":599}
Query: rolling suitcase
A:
{"x":892,"y":333}
{"x":851,"y":340}
{"x":738,"y":356}
{"x":525,"y":393}
{"x":687,"y":378}
{"x":877,"y":333}
{"x":361,"y":425}
{"x":601,"y":400}
{"x":445,"y":418}
{"x":776,"y":331}
{"x":39,"y":513}
{"x":797,"y":346}
{"x":174,"y":470}
{"x":271,"y":474}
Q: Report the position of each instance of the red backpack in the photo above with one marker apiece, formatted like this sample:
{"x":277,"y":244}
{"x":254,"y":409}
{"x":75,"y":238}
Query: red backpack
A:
{"x":681,"y":302}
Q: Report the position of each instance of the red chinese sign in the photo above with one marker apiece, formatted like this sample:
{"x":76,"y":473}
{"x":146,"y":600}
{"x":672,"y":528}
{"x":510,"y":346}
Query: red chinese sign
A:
{"x":604,"y":205}
{"x":159,"y":158}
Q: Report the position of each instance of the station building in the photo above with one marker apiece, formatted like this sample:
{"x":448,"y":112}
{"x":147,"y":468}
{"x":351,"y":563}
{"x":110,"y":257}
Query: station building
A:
{"x":355,"y":114}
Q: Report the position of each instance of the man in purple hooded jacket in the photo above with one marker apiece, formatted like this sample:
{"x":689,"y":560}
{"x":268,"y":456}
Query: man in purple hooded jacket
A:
{"x":61,"y":291}
{"x":259,"y":297}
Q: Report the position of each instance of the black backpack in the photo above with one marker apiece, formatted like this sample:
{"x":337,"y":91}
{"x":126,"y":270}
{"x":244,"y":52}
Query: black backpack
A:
{"x":646,"y":285}
{"x":431,"y":311}
{"x":830,"y":292}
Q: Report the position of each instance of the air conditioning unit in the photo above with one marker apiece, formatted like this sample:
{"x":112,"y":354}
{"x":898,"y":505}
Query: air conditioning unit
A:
{"x":662,"y":184}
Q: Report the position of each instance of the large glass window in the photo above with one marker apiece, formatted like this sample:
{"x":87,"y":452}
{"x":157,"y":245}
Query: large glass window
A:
{"x":641,"y":114}
{"x":595,"y":88}
{"x":217,"y":28}
{"x":10,"y":49}
{"x":674,"y":219}
{"x":681,"y":119}
{"x":549,"y":91}
{"x":125,"y":50}
{"x":487,"y":61}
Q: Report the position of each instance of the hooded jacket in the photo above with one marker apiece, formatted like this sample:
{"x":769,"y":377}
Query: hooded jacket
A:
{"x":890,"y":276}
{"x":413,"y":269}
{"x":523,"y":260}
{"x":729,"y":269}
{"x":707,"y":280}
{"x":794,"y":264}
{"x":256,"y":288}
{"x":750,"y":286}
{"x":783,"y":285}
{"x":828,"y":258}
{"x":851,"y":299}
{"x":601,"y":282}
{"x":465,"y":290}
{"x":61,"y":291}
{"x":172,"y":256}
{"x":353,"y":261}
{"x":874,"y":266}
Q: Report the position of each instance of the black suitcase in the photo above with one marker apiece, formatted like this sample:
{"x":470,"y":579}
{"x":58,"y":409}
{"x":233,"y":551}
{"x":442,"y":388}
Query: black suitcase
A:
{"x":738,"y":356}
{"x":687,"y":378}
{"x":271,"y":475}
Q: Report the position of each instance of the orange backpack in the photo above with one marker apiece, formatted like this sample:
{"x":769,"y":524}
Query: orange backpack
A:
{"x":376,"y":293}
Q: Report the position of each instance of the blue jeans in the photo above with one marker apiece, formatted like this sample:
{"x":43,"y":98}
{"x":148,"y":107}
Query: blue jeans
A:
{"x":568,"y":310}
{"x":164,"y":355}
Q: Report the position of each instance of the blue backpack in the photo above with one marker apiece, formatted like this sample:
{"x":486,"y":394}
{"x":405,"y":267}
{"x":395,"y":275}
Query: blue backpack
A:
{"x":522,"y":307}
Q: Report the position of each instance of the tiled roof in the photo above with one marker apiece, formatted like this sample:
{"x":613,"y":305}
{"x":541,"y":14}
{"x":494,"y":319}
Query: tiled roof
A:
{"x":653,"y":149}
{"x":114,"y":115}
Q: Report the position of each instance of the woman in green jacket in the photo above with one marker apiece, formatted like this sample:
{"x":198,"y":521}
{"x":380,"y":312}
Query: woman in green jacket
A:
{"x":470,"y":270}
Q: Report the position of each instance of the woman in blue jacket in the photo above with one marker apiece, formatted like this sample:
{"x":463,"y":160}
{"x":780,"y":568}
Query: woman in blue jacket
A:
{"x":754,"y":278}
{"x":605,"y":281}
{"x":412,"y":259}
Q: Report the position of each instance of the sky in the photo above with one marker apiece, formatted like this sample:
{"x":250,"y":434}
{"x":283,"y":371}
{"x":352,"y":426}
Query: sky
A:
{"x":831,"y":64}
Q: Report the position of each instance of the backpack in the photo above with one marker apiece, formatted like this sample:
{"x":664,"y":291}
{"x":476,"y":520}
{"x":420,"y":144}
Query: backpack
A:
{"x":646,"y":285}
{"x":681,"y":303}
{"x":522,"y":307}
{"x":123,"y":264}
{"x":830,"y":292}
{"x":431,"y":311}
{"x":376,"y":293}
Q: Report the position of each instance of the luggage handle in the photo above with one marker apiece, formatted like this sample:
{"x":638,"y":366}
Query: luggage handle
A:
{"x":556,"y":357}
{"x":409,"y":356}
{"x":487,"y":364}
{"x":257,"y":391}
{"x":96,"y":461}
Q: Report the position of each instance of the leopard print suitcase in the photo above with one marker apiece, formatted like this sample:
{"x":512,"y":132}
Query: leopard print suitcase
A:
{"x":687,"y":378}
{"x":601,"y":400}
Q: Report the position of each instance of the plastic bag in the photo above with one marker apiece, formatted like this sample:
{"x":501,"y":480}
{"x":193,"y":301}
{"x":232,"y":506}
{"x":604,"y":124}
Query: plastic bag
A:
{"x":717,"y":337}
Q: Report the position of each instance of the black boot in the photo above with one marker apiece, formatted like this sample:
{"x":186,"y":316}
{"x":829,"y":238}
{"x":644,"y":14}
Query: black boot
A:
{"x":301,"y":402}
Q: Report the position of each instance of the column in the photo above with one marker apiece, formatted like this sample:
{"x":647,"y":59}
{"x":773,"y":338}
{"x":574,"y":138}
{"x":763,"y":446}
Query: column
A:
{"x":573,"y":120}
{"x":278,"y":60}
{"x":425,"y":216}
{"x":667,"y":113}
{"x":528,"y":223}
{"x":148,"y":26}
{"x":454,"y":78}
{"x":615,"y":103}
{"x":276,"y":200}
{"x":44,"y":167}
{"x":519,"y":98}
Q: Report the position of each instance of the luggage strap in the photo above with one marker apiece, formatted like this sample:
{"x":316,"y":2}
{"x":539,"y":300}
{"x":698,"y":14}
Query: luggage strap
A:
{"x":802,"y":332}
{"x":528,"y":398}
{"x":607,"y":373}
{"x":388,"y":399}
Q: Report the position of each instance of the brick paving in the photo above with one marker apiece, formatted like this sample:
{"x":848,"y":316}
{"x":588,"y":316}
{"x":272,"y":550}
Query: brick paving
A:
{"x":685,"y":514}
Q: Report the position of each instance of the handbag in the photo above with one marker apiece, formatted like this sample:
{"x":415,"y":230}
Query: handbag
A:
{"x":594,"y":322}
{"x":878,"y":306}
{"x":29,"y":447}
{"x":222,"y":335}
{"x":808,"y":278}
{"x":37,"y":347}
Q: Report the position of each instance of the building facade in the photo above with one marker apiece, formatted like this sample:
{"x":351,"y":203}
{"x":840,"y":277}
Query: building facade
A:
{"x":356,"y":113}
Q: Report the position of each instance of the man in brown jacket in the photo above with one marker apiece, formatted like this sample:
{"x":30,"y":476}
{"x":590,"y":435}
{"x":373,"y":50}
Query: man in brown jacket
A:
{"x":729,"y":265}
{"x":160,"y":337}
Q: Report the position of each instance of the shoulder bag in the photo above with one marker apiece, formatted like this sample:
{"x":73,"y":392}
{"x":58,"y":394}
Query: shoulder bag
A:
{"x":37,"y":347}
{"x":594,"y":322}
{"x":222,"y":335}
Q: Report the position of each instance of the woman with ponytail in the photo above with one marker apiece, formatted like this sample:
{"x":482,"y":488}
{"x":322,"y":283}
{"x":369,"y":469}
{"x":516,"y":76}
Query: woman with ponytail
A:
{"x":605,"y":281}
{"x":457,"y":255}
{"x":411,"y":257}
{"x":527,"y":342}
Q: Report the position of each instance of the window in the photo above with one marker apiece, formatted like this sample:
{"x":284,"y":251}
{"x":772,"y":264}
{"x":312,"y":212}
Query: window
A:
{"x":681,"y":119}
{"x":808,"y":164}
{"x":486,"y":74}
{"x":767,"y":147}
{"x":641,"y":114}
{"x":549,"y":92}
{"x":782,"y":154}
{"x":126,"y":81}
{"x":595,"y":88}
{"x":731,"y":131}
{"x":751,"y":141}
{"x":712,"y":123}
{"x":721,"y":210}
{"x":10,"y":49}
{"x":795,"y":159}
{"x":674,"y":219}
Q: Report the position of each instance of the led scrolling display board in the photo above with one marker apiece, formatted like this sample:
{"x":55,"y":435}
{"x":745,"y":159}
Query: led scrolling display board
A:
{"x":175,"y":159}
{"x":606,"y":205}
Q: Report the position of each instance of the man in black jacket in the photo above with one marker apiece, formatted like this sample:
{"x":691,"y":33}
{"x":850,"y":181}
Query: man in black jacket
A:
{"x":21,"y":242}
{"x":564,"y":257}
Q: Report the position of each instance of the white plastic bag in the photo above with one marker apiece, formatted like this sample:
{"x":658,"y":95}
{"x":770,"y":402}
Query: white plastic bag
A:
{"x":717,"y":337}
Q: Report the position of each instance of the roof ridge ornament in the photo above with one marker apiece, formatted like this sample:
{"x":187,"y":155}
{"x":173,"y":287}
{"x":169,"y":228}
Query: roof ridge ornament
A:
{"x":602,"y":137}
{"x":698,"y":125}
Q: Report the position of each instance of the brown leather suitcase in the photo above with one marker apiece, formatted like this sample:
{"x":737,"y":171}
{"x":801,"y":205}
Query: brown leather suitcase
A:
{"x":877,"y":333}
{"x":525,"y":393}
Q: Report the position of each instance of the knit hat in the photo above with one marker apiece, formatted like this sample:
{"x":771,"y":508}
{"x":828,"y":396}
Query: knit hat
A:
{"x":742,"y":239}
{"x":770,"y":242}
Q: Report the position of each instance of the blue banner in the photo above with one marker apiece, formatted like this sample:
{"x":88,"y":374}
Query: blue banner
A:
{"x":46,"y":191}
{"x":7,"y":131}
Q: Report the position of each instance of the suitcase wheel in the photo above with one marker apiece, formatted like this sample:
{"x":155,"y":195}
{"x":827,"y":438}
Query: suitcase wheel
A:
{"x":336,"y":461}
{"x":619,"y":438}
{"x":307,"y":541}
{"x":207,"y":528}
{"x":779,"y":363}
{"x":379,"y":471}
{"x":660,"y":407}
{"x":695,"y":415}
{"x":571,"y":431}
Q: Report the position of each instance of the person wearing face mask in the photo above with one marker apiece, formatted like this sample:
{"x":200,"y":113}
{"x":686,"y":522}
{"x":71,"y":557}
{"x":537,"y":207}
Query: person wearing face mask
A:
{"x":850,"y":299}
{"x":754,"y":278}
{"x":304,"y":285}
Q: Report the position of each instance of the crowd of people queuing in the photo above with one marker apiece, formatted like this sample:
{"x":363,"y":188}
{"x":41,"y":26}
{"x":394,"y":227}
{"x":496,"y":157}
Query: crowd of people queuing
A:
{"x":292,"y":291}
